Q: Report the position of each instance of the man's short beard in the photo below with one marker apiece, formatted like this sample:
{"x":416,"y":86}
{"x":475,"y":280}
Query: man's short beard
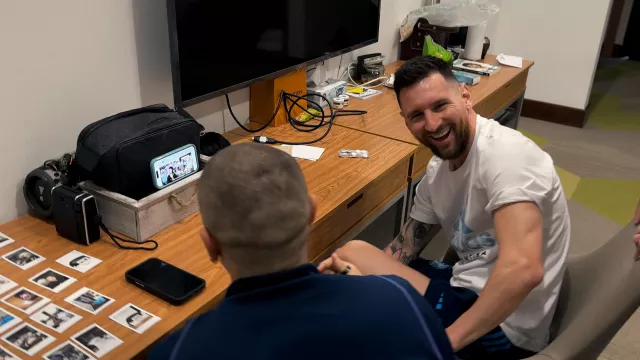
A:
{"x":461,"y":142}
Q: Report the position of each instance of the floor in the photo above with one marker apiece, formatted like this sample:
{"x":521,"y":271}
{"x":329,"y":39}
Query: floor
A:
{"x":599,"y":167}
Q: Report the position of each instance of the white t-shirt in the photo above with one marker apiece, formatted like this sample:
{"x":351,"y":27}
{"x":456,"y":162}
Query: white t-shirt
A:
{"x":503,"y":166}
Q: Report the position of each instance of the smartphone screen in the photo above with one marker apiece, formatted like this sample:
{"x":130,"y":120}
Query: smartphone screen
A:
{"x":174,"y":166}
{"x":164,"y":279}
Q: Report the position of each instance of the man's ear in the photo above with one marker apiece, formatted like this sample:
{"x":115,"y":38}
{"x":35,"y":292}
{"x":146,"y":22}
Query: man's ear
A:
{"x":211,"y":244}
{"x":466,"y":95}
{"x":313,"y":203}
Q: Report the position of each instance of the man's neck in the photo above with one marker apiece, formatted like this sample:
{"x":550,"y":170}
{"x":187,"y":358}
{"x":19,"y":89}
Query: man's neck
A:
{"x":238,"y":272}
{"x":456,"y":163}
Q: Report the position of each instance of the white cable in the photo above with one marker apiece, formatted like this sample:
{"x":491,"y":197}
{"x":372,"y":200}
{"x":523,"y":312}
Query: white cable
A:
{"x":364,"y":85}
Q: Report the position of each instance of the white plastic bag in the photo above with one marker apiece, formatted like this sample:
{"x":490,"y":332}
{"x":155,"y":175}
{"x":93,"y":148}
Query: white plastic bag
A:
{"x":460,"y":13}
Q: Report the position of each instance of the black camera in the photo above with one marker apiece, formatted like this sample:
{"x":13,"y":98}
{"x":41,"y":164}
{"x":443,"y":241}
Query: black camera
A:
{"x":75,"y":214}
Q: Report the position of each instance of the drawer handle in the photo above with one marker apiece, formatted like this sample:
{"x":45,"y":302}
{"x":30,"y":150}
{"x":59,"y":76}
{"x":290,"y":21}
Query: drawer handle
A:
{"x":186,"y":203}
{"x":354,"y":201}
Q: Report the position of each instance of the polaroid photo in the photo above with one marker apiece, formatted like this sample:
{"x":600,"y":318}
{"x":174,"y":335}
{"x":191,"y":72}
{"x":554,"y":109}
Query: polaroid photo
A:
{"x":67,"y":351}
{"x":23,"y":258}
{"x":7,"y":355}
{"x":6,"y":285}
{"x":28,"y":339}
{"x":78,"y":261}
{"x":25,"y":300}
{"x":97,"y":340}
{"x":55,"y":318}
{"x":7,"y":320}
{"x":134,"y":318}
{"x":52,"y":280}
{"x":5,"y":240}
{"x":89,"y":300}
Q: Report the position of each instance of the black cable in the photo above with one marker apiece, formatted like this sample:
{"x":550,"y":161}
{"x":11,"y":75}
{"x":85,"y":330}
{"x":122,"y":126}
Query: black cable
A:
{"x":297,"y":124}
{"x":114,"y":237}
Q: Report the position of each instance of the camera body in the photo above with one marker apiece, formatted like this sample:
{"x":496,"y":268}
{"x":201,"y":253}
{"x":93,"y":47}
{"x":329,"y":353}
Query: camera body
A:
{"x":75,"y":214}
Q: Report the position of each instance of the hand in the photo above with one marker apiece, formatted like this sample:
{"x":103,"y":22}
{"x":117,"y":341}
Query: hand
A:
{"x":636,"y":237}
{"x":335,"y":265}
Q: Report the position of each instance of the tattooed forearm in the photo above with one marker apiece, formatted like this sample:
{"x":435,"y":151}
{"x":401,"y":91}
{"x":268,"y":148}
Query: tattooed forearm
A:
{"x":411,"y":240}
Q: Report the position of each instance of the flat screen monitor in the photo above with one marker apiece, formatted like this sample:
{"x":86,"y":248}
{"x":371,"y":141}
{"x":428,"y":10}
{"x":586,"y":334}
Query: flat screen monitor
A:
{"x":221,"y":46}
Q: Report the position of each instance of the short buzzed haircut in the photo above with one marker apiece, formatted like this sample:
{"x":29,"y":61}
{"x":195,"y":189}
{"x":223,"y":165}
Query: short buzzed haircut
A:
{"x":418,"y":68}
{"x":254,"y":201}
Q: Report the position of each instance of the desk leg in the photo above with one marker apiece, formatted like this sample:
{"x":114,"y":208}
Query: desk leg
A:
{"x":518,"y":108}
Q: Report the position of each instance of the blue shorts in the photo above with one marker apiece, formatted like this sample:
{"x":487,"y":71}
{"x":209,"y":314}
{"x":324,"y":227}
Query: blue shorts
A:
{"x":450,"y":302}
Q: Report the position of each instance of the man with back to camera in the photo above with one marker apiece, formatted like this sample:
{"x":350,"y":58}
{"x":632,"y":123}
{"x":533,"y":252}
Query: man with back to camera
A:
{"x":497,"y":197}
{"x":257,"y":215}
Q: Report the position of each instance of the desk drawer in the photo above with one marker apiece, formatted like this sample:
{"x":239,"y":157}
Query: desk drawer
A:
{"x":503,"y":96}
{"x":420,"y":160}
{"x":330,"y":228}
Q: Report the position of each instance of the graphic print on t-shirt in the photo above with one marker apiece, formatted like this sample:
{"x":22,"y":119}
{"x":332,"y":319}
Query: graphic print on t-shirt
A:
{"x":464,"y":240}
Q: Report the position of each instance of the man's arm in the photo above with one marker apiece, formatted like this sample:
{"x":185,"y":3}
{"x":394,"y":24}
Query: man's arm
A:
{"x":518,"y":270}
{"x":412,"y":239}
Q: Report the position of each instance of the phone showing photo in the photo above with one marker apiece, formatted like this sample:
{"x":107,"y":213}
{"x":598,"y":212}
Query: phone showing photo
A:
{"x":173,"y":166}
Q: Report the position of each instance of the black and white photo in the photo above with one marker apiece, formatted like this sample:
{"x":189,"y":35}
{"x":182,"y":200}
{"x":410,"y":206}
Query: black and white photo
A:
{"x":67,"y":351}
{"x":28,"y":339}
{"x":5,"y":240}
{"x":78,"y":261}
{"x":55,"y":318}
{"x":52,"y":280}
{"x":7,"y":320}
{"x":134,"y":318}
{"x":6,"y":284}
{"x":25,"y":300}
{"x":89,"y":300}
{"x":23,"y":258}
{"x":97,"y":340}
{"x":7,"y":355}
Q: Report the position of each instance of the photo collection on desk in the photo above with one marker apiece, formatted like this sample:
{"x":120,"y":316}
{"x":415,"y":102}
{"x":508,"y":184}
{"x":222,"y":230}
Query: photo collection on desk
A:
{"x":19,"y":334}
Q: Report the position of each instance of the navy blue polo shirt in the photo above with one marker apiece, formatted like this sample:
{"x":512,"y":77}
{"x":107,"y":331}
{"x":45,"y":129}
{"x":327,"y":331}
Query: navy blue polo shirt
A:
{"x":302,"y":314}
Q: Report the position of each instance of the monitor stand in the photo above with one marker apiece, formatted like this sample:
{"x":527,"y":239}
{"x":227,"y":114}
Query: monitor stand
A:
{"x":265,"y":96}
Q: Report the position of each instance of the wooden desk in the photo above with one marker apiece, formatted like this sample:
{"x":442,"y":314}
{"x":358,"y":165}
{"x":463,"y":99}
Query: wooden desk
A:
{"x":490,"y":96}
{"x":349,"y":191}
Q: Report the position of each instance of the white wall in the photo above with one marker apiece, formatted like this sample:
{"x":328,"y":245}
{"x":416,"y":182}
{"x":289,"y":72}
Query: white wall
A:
{"x":562,"y":37}
{"x":65,"y":64}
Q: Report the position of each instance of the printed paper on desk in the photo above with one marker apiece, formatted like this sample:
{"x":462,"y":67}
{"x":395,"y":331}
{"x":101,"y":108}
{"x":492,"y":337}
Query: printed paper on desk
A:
{"x":510,"y":60}
{"x":312,"y":153}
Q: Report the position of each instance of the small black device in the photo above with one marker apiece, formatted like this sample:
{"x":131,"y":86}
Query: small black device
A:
{"x":75,"y":213}
{"x":369,"y":67}
{"x":40,"y":182}
{"x":165,"y":281}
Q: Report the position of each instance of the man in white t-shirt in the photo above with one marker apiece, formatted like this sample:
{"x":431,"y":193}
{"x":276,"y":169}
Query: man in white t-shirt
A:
{"x":496,"y":195}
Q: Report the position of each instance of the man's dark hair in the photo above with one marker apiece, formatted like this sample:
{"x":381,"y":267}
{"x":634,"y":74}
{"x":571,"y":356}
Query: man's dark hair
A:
{"x":418,"y":68}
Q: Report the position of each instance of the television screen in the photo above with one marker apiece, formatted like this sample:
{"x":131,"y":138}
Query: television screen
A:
{"x":221,"y":46}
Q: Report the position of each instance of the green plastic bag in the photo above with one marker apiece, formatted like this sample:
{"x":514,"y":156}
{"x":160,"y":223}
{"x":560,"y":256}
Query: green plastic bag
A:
{"x":431,"y":48}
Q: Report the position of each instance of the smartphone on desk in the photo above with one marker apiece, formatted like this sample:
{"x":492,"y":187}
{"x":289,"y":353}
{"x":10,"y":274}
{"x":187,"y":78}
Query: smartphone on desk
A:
{"x":174,"y":166}
{"x":168,"y":282}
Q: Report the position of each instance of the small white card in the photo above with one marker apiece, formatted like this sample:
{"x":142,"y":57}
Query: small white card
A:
{"x":7,"y":355}
{"x":89,"y":300}
{"x":23,"y":258}
{"x":28,"y":339}
{"x":67,"y":351}
{"x":7,"y":320}
{"x":55,"y":318}
{"x":97,"y":340}
{"x":134,"y":318}
{"x":6,"y":284}
{"x":5,"y":240}
{"x":510,"y":60}
{"x":312,"y":153}
{"x":78,"y":261}
{"x":52,"y":280}
{"x":25,"y":300}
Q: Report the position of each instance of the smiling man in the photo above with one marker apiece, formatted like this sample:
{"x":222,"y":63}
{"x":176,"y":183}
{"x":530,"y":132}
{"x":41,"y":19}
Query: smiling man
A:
{"x":497,"y":197}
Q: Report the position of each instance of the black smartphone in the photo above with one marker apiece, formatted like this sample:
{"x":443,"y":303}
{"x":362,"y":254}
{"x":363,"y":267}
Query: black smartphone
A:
{"x":168,"y":282}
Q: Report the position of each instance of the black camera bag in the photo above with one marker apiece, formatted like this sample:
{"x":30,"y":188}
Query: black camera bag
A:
{"x":116,"y":152}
